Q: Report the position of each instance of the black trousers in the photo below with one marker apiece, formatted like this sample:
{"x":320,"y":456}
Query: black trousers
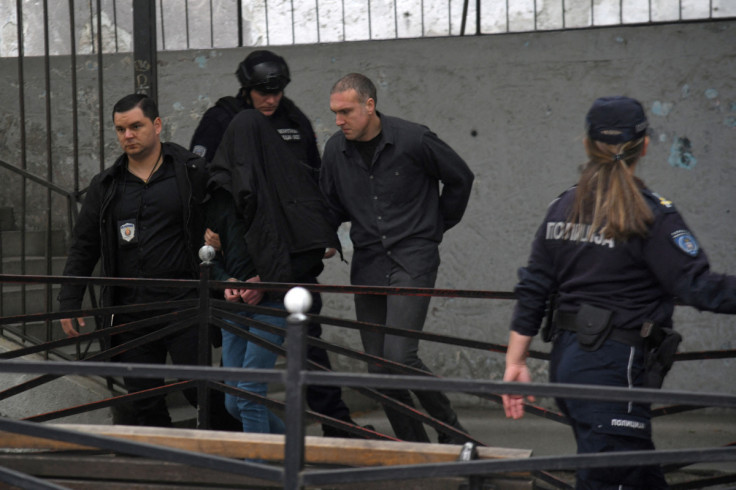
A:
{"x":326,"y":400}
{"x":153,"y":411}
{"x":409,"y":313}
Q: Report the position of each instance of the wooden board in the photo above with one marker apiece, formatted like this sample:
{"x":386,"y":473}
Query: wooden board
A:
{"x":319,"y":450}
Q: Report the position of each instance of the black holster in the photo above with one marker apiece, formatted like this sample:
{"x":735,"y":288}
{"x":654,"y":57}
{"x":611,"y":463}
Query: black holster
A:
{"x":662,"y":346}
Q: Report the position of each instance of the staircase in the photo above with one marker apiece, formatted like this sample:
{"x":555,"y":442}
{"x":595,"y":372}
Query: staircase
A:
{"x":20,"y":299}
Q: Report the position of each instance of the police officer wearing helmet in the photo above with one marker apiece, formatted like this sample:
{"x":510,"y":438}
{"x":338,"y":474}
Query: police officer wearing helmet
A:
{"x":268,"y":156}
{"x":263,"y":76}
{"x":614,"y":256}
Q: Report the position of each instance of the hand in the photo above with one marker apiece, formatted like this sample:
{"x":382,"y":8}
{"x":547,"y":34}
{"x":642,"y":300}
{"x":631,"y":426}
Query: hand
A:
{"x":212,"y":239}
{"x":513,"y":405}
{"x":232,"y":295}
{"x":252,"y":296}
{"x":67,"y":324}
{"x":329,"y":253}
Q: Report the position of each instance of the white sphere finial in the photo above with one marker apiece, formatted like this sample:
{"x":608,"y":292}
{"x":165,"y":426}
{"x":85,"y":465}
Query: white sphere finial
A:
{"x":298,"y":300}
{"x":206,"y":253}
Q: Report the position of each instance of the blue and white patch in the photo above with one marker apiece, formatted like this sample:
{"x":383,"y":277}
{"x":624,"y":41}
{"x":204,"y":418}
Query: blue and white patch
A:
{"x":685,"y":241}
{"x":127,"y":231}
{"x":199,"y":150}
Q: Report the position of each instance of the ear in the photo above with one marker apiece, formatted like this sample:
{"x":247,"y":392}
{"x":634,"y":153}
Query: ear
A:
{"x":646,"y":145}
{"x":157,"y":125}
{"x":370,"y":105}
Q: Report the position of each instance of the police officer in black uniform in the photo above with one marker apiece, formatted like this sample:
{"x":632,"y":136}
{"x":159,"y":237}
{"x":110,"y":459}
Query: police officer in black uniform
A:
{"x":263,"y":75}
{"x":615,"y":255}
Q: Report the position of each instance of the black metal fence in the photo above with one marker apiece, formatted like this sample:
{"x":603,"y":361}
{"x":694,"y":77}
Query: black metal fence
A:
{"x":107,"y":26}
{"x":206,"y":312}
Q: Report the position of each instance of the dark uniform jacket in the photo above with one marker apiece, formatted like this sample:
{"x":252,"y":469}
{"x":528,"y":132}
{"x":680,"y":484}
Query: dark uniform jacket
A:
{"x":273,"y":192}
{"x":395,"y":207}
{"x":211,"y":128}
{"x":95,"y":233}
{"x":638,"y":280}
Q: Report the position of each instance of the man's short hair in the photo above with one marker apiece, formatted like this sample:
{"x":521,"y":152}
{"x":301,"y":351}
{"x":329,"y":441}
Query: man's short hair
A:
{"x":130,"y":102}
{"x":360,"y":83}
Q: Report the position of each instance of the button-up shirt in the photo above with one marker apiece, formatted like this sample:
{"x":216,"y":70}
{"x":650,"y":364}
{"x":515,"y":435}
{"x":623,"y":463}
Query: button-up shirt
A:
{"x":397,"y":212}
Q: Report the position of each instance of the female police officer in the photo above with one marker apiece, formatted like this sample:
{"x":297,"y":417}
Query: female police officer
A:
{"x":616,"y":255}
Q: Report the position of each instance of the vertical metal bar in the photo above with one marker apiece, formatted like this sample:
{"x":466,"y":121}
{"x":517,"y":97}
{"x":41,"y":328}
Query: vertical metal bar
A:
{"x":592,"y":12}
{"x":144,"y":42}
{"x":163,"y":28}
{"x":508,"y":22}
{"x":464,"y":19}
{"x":239,"y":5}
{"x":343,"y":20}
{"x":212,"y":28}
{"x":316,"y":7}
{"x":115,"y":22}
{"x":535,"y":15}
{"x":100,"y":90}
{"x":563,"y":14}
{"x":293,"y":29}
{"x":295,"y":358}
{"x":449,"y":17}
{"x":49,"y":162}
{"x":620,"y":12}
{"x":268,"y":37}
{"x":75,"y":105}
{"x":396,"y":20}
{"x":422,"y":7}
{"x":204,"y":351}
{"x":370,"y":25}
{"x":477,"y":16}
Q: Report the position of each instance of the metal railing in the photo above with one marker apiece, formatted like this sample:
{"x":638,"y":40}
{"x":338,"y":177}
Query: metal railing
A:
{"x":107,"y":27}
{"x":206,"y":312}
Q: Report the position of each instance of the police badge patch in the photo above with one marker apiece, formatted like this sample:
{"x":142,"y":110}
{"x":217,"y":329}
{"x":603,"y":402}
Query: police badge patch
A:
{"x":685,"y":241}
{"x":127,"y":231}
{"x":199,"y":150}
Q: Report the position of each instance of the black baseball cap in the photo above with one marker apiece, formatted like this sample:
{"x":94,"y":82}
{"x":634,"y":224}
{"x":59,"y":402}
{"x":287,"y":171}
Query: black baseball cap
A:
{"x":616,"y":120}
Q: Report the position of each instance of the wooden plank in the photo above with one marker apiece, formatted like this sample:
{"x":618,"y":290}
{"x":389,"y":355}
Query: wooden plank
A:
{"x":122,"y":473}
{"x":319,"y":450}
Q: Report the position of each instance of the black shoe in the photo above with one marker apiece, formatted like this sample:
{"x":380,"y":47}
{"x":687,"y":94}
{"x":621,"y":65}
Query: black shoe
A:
{"x":329,"y":431}
{"x":444,"y":438}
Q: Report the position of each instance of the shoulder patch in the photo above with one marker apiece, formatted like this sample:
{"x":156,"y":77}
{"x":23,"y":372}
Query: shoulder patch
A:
{"x":685,"y":241}
{"x":199,"y":150}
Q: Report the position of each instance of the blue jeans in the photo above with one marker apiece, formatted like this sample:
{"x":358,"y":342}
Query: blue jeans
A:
{"x":238,"y":352}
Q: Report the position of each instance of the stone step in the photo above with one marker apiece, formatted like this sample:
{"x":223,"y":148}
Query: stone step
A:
{"x":35,"y":265}
{"x":35,"y":243}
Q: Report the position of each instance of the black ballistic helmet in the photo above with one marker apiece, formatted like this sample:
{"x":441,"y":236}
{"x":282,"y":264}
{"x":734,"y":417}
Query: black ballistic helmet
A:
{"x":263,"y":70}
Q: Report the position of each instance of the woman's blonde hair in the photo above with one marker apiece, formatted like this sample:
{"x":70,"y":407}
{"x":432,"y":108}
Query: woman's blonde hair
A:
{"x":608,"y":195}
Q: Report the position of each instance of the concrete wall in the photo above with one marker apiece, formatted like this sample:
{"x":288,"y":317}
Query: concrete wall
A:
{"x":513,"y":107}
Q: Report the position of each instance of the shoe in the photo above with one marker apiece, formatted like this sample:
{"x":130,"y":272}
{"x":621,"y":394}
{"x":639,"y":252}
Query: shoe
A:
{"x":329,"y":431}
{"x":443,"y":438}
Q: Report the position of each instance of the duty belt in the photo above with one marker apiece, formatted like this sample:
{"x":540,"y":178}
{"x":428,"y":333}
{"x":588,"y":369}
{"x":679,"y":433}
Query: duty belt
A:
{"x":566,"y":321}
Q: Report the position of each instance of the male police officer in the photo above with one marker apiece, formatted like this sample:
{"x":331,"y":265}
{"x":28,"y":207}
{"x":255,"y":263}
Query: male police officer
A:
{"x":283,"y":138}
{"x":141,"y":218}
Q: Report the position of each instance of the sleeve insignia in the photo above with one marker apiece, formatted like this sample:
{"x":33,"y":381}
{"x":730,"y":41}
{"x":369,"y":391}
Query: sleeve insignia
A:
{"x":199,"y":150}
{"x":685,"y":241}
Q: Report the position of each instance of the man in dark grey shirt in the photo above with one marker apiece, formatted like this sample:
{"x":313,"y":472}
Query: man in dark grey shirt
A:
{"x":383,"y":175}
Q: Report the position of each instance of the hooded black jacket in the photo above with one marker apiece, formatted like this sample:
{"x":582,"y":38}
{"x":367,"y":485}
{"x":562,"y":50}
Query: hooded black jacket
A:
{"x":276,"y":194}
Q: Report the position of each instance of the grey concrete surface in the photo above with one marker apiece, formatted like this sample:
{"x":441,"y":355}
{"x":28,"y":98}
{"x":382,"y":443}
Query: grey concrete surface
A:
{"x":512,"y":105}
